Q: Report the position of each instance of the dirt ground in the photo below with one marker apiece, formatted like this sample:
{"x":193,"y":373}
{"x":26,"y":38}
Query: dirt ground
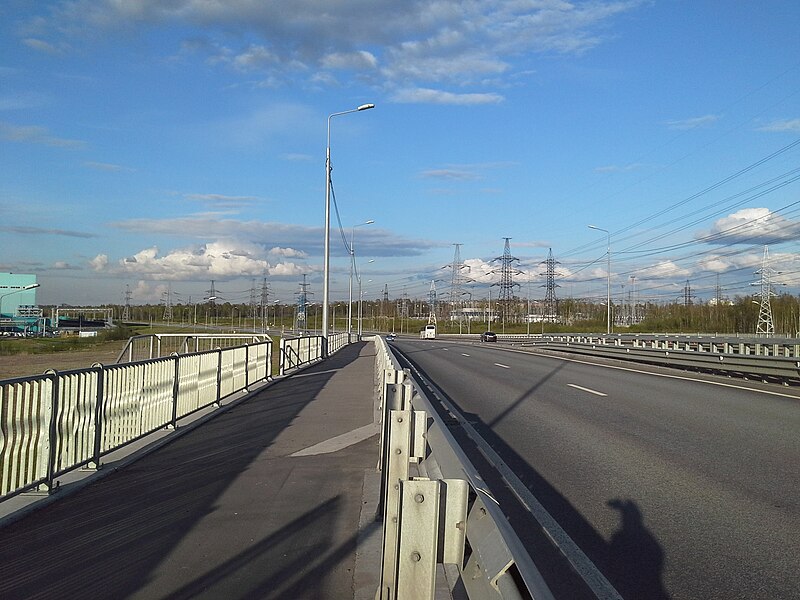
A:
{"x":22,"y":365}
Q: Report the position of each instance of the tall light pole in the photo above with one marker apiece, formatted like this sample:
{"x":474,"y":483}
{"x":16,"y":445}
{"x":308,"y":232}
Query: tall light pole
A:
{"x":18,"y":290}
{"x":327,"y":261}
{"x":608,"y":273}
{"x":352,"y":266}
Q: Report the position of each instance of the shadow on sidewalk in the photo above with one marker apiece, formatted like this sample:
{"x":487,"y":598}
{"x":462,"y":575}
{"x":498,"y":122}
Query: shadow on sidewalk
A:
{"x":109,"y":539}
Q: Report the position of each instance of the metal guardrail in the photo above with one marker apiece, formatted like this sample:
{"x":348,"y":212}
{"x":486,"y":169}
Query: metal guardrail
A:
{"x":743,"y":359}
{"x":434,"y":517}
{"x":156,"y":345}
{"x":54,"y":423}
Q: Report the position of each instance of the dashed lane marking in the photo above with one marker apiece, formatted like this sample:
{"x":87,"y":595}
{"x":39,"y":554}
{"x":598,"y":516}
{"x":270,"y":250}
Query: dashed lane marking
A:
{"x":584,"y":389}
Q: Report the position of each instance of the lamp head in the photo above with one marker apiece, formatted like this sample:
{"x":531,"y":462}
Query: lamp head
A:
{"x":365,"y":107}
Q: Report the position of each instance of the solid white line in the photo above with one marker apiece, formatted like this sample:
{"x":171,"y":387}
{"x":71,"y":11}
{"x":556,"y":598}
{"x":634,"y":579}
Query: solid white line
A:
{"x":583,"y":389}
{"x":501,"y":366}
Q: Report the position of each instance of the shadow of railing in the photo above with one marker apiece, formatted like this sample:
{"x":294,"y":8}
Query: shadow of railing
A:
{"x":113,"y":537}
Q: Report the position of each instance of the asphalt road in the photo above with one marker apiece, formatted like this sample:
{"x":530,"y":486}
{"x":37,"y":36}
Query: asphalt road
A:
{"x":675,"y":486}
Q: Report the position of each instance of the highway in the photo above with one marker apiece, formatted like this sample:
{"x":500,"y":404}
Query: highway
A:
{"x":674,"y":485}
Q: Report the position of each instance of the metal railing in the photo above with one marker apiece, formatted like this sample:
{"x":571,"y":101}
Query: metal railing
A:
{"x":61,"y":421}
{"x":156,"y":345}
{"x":435,"y":506}
{"x":778,"y":361}
{"x":300,"y":351}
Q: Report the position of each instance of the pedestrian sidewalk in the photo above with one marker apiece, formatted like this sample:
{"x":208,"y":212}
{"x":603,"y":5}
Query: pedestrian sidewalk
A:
{"x":273,"y":497}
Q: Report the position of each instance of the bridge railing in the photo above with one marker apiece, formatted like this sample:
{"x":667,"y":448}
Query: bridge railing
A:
{"x":299,"y":351}
{"x":156,"y":345}
{"x":54,"y":423}
{"x":435,"y":507}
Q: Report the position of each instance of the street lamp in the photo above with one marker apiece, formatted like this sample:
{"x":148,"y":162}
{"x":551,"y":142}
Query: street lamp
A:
{"x":327,"y":258}
{"x":361,"y":300}
{"x":608,"y":273}
{"x":352,"y":266}
{"x":18,"y":290}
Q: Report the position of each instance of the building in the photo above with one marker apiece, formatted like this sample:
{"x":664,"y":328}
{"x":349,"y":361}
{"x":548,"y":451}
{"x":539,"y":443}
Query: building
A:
{"x":19,"y":314}
{"x":16,"y":290}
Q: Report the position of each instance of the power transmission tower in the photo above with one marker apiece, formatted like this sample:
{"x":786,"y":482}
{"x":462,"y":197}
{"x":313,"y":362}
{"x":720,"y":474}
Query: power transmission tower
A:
{"x":264,"y":304}
{"x":126,"y":312}
{"x":432,"y":304}
{"x":302,"y":302}
{"x":212,"y":299}
{"x":507,"y":272}
{"x":765,"y":326}
{"x":550,"y":285}
{"x":167,"y":299}
{"x":687,"y":294}
{"x":253,"y":296}
{"x":456,"y":281}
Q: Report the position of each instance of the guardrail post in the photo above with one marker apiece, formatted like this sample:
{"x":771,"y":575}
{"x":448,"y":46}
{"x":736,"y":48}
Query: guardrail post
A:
{"x":396,"y":461}
{"x":433,"y":515}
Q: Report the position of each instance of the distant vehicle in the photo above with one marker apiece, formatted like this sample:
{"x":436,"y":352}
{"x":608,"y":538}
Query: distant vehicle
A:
{"x":488,"y":336}
{"x":391,"y":337}
{"x":429,"y":333}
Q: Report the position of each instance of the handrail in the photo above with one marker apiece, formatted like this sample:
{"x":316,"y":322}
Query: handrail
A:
{"x":63,"y":420}
{"x":156,"y":345}
{"x":415,"y":441}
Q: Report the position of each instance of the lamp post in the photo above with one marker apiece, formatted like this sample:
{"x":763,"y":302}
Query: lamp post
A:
{"x":327,"y":258}
{"x":18,"y":290}
{"x":352,"y":266}
{"x":608,"y":278}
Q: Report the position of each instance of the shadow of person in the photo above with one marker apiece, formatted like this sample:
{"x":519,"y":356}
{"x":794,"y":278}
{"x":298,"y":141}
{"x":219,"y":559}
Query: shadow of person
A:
{"x":635,"y":558}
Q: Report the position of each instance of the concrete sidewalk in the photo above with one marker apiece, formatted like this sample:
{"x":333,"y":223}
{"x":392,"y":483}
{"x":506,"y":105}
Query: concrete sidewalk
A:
{"x":273,"y":498}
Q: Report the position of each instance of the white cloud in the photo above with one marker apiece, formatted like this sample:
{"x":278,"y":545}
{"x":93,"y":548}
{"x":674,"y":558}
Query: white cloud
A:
{"x":99,"y":262}
{"x":790,"y":125}
{"x":694,"y":122}
{"x":664,"y":270}
{"x":448,"y":41}
{"x":110,"y":167}
{"x":360,"y":60}
{"x":33,"y":134}
{"x":751,"y":226}
{"x":372,"y":241}
{"x":430,"y":96}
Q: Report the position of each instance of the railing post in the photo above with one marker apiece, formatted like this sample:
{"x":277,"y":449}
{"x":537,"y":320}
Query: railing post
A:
{"x":218,"y":402}
{"x":52,"y":432}
{"x":175,"y":391}
{"x":282,"y":358}
{"x":99,"y":411}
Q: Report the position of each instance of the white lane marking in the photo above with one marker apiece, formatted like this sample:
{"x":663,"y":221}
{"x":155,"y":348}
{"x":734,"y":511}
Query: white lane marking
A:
{"x":462,"y":354}
{"x":583,"y":389}
{"x":501,"y":366}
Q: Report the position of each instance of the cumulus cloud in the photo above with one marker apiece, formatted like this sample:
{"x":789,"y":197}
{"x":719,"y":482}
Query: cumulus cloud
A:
{"x":751,"y":226}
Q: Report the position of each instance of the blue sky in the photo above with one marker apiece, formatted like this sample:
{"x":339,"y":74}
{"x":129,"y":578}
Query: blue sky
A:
{"x":152,"y":144}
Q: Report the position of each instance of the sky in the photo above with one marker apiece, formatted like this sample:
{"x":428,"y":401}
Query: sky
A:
{"x":155,"y":145}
